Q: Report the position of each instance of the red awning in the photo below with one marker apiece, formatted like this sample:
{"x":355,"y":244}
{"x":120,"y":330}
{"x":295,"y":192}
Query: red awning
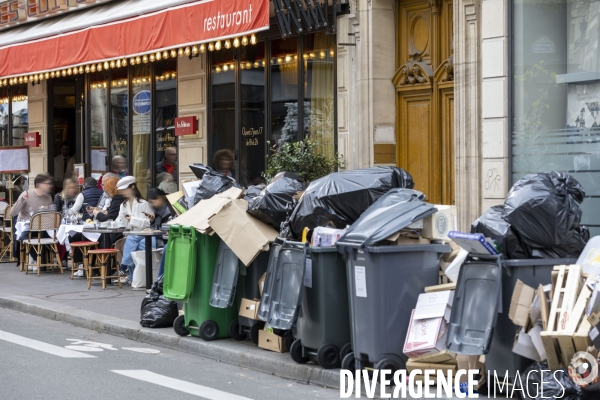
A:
{"x":187,"y":24}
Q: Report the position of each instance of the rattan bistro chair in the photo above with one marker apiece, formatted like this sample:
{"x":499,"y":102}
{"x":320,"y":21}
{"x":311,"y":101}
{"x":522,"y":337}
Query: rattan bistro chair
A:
{"x":42,"y":222}
{"x":6,"y":235}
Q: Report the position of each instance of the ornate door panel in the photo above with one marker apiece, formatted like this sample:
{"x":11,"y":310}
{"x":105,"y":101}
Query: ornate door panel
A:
{"x":425,"y":96}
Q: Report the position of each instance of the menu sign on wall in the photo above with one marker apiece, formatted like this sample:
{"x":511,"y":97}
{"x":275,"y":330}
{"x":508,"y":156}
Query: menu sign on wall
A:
{"x":186,"y":126}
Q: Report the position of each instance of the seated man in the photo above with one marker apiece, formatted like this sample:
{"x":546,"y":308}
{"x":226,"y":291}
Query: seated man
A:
{"x":89,"y":197}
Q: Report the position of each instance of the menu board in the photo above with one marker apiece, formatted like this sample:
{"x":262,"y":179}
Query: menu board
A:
{"x":99,"y":159}
{"x":14,"y":160}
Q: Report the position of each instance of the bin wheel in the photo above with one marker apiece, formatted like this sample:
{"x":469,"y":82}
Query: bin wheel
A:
{"x":234,"y":331}
{"x":288,"y":339}
{"x":254,"y":329}
{"x":346,"y":349}
{"x":179,"y":326}
{"x":328,"y":356}
{"x":209,"y":330}
{"x":388,"y":363}
{"x":296,"y":353}
{"x":349,"y":362}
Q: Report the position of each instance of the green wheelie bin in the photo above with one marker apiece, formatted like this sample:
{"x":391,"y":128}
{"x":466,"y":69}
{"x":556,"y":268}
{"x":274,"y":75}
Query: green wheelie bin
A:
{"x":200,"y":318}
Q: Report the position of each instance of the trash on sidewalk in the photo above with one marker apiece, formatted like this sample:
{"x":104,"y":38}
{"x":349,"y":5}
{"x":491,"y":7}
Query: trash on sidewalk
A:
{"x":269,"y":340}
{"x":212,"y":183}
{"x":438,"y":225}
{"x":522,"y":300}
{"x":156,"y":311}
{"x":474,"y":243}
{"x":326,"y":237}
{"x":428,"y":325}
{"x":249,"y":308}
{"x":556,"y":384}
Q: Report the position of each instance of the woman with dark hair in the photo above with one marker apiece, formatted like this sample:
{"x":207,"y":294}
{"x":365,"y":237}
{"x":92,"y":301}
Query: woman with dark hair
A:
{"x":137,"y":214}
{"x":224,"y":162}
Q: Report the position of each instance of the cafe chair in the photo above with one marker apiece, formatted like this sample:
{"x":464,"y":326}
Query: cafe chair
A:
{"x":6,"y":235}
{"x":105,"y":260}
{"x":84,"y":248}
{"x":42,"y":222}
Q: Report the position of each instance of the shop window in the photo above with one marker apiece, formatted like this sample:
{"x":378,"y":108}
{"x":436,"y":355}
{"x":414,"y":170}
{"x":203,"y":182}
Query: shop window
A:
{"x":141,"y":105}
{"x":164,"y":115}
{"x":252,"y":97}
{"x":4,"y":117}
{"x":318,"y":58}
{"x":20,"y":116}
{"x":284,"y":92}
{"x":98,"y":122}
{"x":119,"y":121}
{"x":556,"y":94}
{"x":223,"y":126}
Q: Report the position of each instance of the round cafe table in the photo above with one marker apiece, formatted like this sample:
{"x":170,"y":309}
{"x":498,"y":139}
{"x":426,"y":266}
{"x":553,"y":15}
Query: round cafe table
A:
{"x":148,"y":235}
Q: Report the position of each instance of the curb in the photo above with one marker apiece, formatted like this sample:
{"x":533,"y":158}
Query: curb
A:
{"x":228,"y":351}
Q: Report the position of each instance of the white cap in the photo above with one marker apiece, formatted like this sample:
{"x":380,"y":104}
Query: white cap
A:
{"x":124,"y":183}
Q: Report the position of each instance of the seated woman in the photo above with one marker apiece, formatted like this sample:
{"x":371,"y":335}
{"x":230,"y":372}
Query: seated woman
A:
{"x":136,"y":213}
{"x":67,"y":197}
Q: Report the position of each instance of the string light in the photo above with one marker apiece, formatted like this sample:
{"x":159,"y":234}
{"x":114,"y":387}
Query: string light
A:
{"x":87,"y":69}
{"x":236,"y":42}
{"x":165,"y":54}
{"x":195,"y":50}
{"x":218,"y":45}
{"x":144,"y":59}
{"x":152,"y":58}
{"x":93,"y":68}
{"x":99,"y":67}
{"x":106,"y":65}
{"x":202,"y":48}
{"x":253,"y":39}
{"x":173,"y":53}
{"x":180,"y":52}
{"x":211,"y":46}
{"x":138,"y":60}
{"x":158,"y":56}
{"x":114,"y":64}
{"x":244,"y":40}
{"x":227,"y":44}
{"x":124,"y":62}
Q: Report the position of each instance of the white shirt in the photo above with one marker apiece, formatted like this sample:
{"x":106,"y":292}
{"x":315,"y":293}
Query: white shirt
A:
{"x":138,"y":219}
{"x":78,"y":203}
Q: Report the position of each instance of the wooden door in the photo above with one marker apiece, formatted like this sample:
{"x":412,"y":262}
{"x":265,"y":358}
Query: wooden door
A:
{"x":425,"y":96}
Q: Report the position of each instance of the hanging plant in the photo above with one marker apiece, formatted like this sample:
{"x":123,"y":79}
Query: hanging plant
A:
{"x":303,"y":158}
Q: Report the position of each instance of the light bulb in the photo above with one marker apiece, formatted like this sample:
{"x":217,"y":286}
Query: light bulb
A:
{"x":104,"y":84}
{"x":47,"y":75}
{"x":173,"y":75}
{"x":195,"y":50}
{"x":279,"y":60}
{"x":255,"y":64}
{"x":305,"y":56}
{"x":118,"y":64}
{"x":158,"y":56}
{"x":173,"y":53}
{"x":253,"y":39}
{"x":288,"y":58}
{"x":81,"y":69}
{"x":25,"y":79}
{"x":114,"y":64}
{"x":211,"y":46}
{"x":93,"y":68}
{"x":263,"y":63}
{"x":132,"y":61}
{"x":124,"y":62}
{"x":312,"y":55}
{"x":244,"y":40}
{"x":225,"y":67}
{"x":248,"y":65}
{"x":165,"y":54}
{"x":180,"y":52}
{"x":322,"y":55}
{"x":87,"y":69}
{"x":152,"y":57}
{"x":218,"y":70}
{"x":93,"y":86}
{"x":236,"y":42}
{"x":232,"y":66}
{"x":218,"y":45}
{"x":99,"y":67}
{"x":331,"y":53}
{"x":187,"y":51}
{"x":227,"y":44}
{"x":138,"y":60}
{"x":145,"y":59}
{"x":70,"y":71}
{"x":106,"y":65}
{"x":202,"y":48}
{"x":63,"y":72}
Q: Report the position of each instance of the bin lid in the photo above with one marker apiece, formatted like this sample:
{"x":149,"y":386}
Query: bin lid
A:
{"x":476,"y":303}
{"x":393,"y":212}
{"x":265,"y":298}
{"x":225,"y":278}
{"x":180,"y":263}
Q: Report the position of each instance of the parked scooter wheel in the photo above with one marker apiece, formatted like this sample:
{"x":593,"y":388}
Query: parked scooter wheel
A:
{"x":288,"y":339}
{"x":234,"y":331}
{"x":254,"y":329}
{"x":349,"y":362}
{"x":296,"y":353}
{"x":388,"y":363}
{"x":179,"y":326}
{"x":209,"y":330}
{"x":328,"y":356}
{"x":346,"y":349}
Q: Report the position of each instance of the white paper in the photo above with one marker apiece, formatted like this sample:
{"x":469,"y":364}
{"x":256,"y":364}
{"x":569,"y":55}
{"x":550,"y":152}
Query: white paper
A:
{"x":594,"y":333}
{"x":190,"y":187}
{"x":308,"y":273}
{"x":99,"y":160}
{"x":360,"y":281}
{"x":14,"y":160}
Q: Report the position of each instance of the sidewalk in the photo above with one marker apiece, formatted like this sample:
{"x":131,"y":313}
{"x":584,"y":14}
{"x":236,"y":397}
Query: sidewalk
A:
{"x":117,"y":311}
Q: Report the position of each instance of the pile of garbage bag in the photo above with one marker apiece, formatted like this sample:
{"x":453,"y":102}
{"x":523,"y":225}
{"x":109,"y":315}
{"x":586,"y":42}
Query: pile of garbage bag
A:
{"x":275,"y":202}
{"x":342,"y":197}
{"x":212,"y":183}
{"x":156,"y":311}
{"x":540,"y":218}
{"x":542,"y":383}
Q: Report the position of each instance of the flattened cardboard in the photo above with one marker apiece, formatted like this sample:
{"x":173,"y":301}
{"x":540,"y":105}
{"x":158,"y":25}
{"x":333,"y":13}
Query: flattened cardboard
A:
{"x":249,"y":308}
{"x":261,"y":283}
{"x":544,"y":310}
{"x":521,"y":303}
{"x":245,"y":235}
{"x":443,"y":357}
{"x":523,"y":346}
{"x":270,"y":341}
{"x":173,"y":198}
{"x":536,"y":337}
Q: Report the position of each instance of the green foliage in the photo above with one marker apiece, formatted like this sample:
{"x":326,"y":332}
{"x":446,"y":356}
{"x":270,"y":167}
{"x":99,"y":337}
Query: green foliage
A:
{"x":302,"y":158}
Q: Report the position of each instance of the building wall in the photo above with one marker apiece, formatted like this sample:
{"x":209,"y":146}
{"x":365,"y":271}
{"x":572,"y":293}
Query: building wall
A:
{"x":38,"y":122}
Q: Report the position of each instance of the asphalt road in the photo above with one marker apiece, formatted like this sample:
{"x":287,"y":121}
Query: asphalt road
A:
{"x":98,"y":366}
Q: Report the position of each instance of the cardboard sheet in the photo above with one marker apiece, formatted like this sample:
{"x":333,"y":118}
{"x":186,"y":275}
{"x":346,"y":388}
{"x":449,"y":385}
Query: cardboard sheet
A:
{"x":521,"y":303}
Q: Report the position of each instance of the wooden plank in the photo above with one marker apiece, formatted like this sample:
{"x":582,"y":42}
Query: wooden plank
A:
{"x":581,"y":337}
{"x":440,"y":288}
{"x":579,"y":308}
{"x":545,"y":312}
{"x":444,"y":357}
{"x":552,"y":353}
{"x":567,"y":348}
{"x":556,"y":299}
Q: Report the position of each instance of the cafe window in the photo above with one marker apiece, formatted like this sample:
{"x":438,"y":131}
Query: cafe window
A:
{"x":19,"y":116}
{"x":98,"y":122}
{"x":556,"y":94}
{"x":4,"y":117}
{"x":165,"y":112}
{"x":254,"y":99}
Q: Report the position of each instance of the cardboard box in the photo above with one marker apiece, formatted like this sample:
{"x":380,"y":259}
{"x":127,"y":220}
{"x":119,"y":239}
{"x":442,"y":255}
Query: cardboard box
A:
{"x":411,"y":365}
{"x":249,"y":308}
{"x":437,"y":226}
{"x":523,"y":346}
{"x":174,"y":198}
{"x":270,"y":341}
{"x":261,"y":283}
{"x":443,"y":357}
{"x":425,"y":336}
{"x":520,"y":303}
{"x":434,"y":305}
{"x":536,"y":338}
{"x":404,"y":238}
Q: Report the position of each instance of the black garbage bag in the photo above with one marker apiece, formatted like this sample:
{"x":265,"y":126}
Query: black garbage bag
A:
{"x":515,"y":248}
{"x":543,"y":208}
{"x":274,"y":204}
{"x":213,"y":182}
{"x":253,"y":191}
{"x":156,"y":311}
{"x":571,"y":248}
{"x":556,"y":384}
{"x":342,"y":197}
{"x":493,"y":226}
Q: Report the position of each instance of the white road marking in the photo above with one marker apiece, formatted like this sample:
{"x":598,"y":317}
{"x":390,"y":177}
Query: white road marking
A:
{"x":41,"y":346}
{"x":141,"y":350}
{"x":84,"y":349}
{"x":176,"y":384}
{"x":77,"y":342}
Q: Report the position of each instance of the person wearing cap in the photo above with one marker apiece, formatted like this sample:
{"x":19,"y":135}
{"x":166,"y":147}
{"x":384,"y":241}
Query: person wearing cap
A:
{"x":137,"y":214}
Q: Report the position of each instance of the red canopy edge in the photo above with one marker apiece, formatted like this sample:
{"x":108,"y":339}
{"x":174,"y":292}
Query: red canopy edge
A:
{"x":175,"y":27}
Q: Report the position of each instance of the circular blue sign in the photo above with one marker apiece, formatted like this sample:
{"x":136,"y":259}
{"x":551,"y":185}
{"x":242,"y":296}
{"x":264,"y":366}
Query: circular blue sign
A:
{"x":142,"y":102}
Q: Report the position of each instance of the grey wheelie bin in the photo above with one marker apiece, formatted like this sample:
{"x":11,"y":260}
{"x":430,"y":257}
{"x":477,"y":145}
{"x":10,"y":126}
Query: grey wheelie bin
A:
{"x":532,"y":272}
{"x":384,"y":282}
{"x":322,"y":329}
